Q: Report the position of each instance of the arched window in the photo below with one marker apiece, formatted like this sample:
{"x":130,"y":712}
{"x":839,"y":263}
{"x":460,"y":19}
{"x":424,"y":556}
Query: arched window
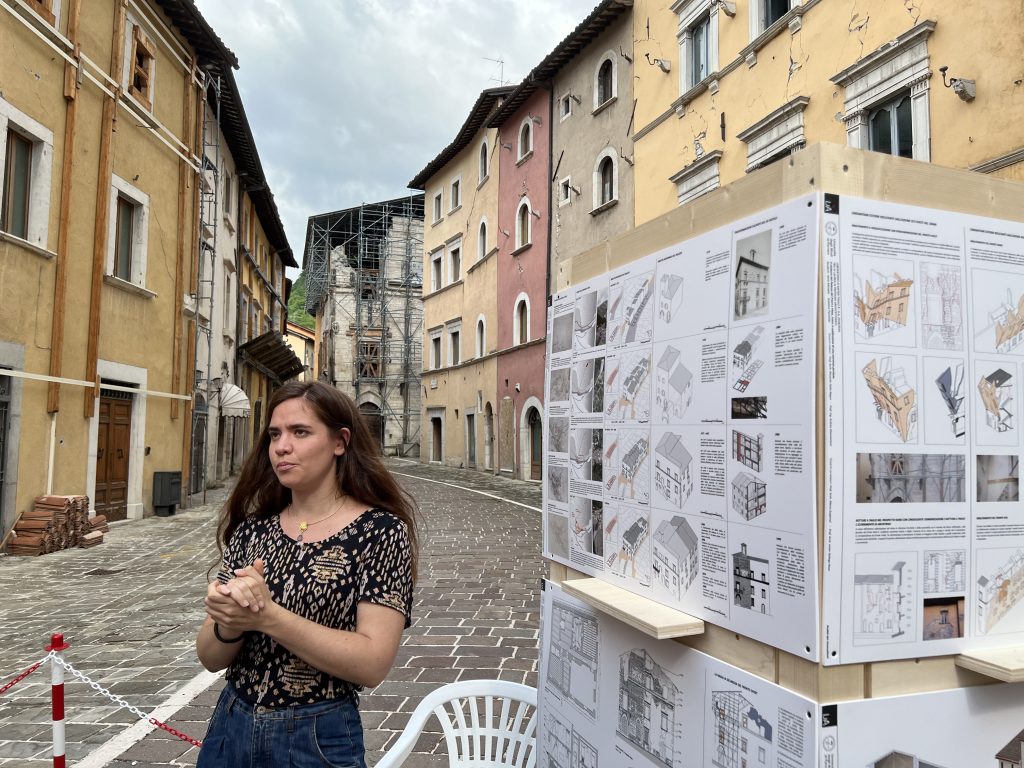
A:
{"x":481,"y":241}
{"x":523,"y":225}
{"x":606,"y":182}
{"x":483,"y":161}
{"x":525,"y":138}
{"x":481,"y":337}
{"x":604,"y":87}
{"x":521,"y":320}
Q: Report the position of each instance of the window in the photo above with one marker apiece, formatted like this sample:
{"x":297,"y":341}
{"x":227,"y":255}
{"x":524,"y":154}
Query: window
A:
{"x":697,"y":178}
{"x":435,"y":349}
{"x":698,"y":41}
{"x":228,"y":300}
{"x":775,"y":135}
{"x":127,"y":235}
{"x":891,"y":127}
{"x":481,"y":337}
{"x":123,"y":238}
{"x":606,"y":183}
{"x":437,"y":207}
{"x":483,"y":163}
{"x":228,"y":183}
{"x":455,"y":263}
{"x":17,"y":185}
{"x":604,"y":82}
{"x":140,"y":67}
{"x":481,"y":240}
{"x":521,"y":320}
{"x":565,"y":190}
{"x":772,"y":11}
{"x":26,"y":163}
{"x":606,"y":170}
{"x":523,"y":224}
{"x":525,"y":138}
{"x":565,"y":106}
{"x":369,"y":361}
{"x":435,"y":271}
{"x":454,"y":349}
{"x":244,"y":317}
{"x":456,"y":193}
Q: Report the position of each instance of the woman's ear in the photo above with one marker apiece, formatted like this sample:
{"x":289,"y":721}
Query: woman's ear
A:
{"x":344,"y":435}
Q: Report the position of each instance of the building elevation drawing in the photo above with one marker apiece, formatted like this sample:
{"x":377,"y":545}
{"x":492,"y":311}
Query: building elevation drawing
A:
{"x":880,"y":603}
{"x":750,"y":581}
{"x":676,"y":560}
{"x":951,"y":388}
{"x":743,"y":358}
{"x":882,"y":304}
{"x":996,"y":390}
{"x":941,"y":307}
{"x":743,"y":736}
{"x":902,"y":760}
{"x":944,"y":571}
{"x":914,"y":478}
{"x":1000,"y":591}
{"x":632,"y":310}
{"x":650,"y":707}
{"x":564,"y":746}
{"x":1011,"y":755}
{"x":895,"y":400}
{"x":748,"y":496}
{"x":670,"y":296}
{"x":673,"y":470}
{"x":748,"y":450}
{"x":673,"y":386}
{"x":573,"y":655}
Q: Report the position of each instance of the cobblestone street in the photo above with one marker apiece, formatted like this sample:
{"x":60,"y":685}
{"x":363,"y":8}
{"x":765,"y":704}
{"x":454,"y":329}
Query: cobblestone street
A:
{"x":130,"y":609}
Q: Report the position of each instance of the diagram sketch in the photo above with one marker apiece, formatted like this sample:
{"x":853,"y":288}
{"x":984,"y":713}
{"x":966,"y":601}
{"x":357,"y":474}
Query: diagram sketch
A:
{"x":998,"y":478}
{"x":881,"y":303}
{"x":915,"y":478}
{"x":628,"y":544}
{"x":588,"y":386}
{"x":587,"y":526}
{"x":558,"y":484}
{"x":573,"y":655}
{"x":951,"y":388}
{"x":753,"y":261}
{"x":941,"y":307}
{"x":590,"y":319}
{"x":670,"y":296}
{"x":560,"y":385}
{"x":632,"y":309}
{"x":1012,"y":754}
{"x":1000,"y":590}
{"x":945,"y":571}
{"x":743,"y":735}
{"x":895,"y":400}
{"x":902,"y":760}
{"x":996,"y":390}
{"x":1008,"y":323}
{"x":748,"y":450}
{"x":882,"y":597}
{"x":628,"y":475}
{"x":558,"y":434}
{"x":563,"y":744}
{"x":650,"y":707}
{"x":672,"y":470}
{"x":586,"y":454}
{"x":676,"y":559}
{"x":743,"y":358}
{"x":673,"y":386}
{"x":748,"y":496}
{"x":943,"y":618}
{"x":627,"y":387}
{"x":751,"y":586}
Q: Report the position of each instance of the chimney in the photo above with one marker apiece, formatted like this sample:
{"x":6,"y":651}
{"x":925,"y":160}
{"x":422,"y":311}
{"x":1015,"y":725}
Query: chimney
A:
{"x":743,"y":549}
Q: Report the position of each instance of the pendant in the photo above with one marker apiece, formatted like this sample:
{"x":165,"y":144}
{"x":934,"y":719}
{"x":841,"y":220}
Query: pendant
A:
{"x":303,"y":526}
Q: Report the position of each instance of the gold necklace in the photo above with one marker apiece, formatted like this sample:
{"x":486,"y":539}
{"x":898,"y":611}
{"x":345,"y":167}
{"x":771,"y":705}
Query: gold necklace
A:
{"x":303,"y":525}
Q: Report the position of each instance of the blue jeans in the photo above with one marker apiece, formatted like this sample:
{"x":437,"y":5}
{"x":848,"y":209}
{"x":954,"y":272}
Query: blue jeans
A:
{"x":311,"y":736}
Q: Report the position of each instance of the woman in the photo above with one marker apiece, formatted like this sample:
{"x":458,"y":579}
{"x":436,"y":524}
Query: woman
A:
{"x":319,"y":546}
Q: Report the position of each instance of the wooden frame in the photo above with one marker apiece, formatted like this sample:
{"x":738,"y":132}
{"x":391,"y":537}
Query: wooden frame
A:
{"x":44,"y":8}
{"x":140,"y":73}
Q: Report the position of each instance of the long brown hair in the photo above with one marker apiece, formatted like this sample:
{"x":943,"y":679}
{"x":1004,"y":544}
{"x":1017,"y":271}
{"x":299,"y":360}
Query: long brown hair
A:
{"x":359,"y":471}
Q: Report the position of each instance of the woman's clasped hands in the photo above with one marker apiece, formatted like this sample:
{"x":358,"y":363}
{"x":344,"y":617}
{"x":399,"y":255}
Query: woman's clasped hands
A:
{"x":240,"y":605}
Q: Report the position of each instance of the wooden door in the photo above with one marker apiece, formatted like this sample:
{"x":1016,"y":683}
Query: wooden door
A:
{"x":536,"y":447}
{"x":113,"y":446}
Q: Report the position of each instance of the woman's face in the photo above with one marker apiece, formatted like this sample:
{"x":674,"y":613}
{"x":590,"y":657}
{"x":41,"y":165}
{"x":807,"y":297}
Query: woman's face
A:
{"x":302,"y":449}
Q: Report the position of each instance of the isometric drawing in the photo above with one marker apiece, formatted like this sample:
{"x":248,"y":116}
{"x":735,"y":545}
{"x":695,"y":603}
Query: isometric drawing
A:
{"x":560,"y":385}
{"x":675,"y":556}
{"x":1010,"y":756}
{"x":895,"y":400}
{"x":998,"y":478}
{"x":628,"y":475}
{"x":753,"y":260}
{"x":590,"y":319}
{"x":627,"y":388}
{"x":1008,"y":323}
{"x":673,"y":385}
{"x":943,"y":618}
{"x":587,"y":388}
{"x":881,"y":303}
{"x":750,"y":581}
{"x":573,"y":656}
{"x":558,"y":484}
{"x":558,"y":434}
{"x":915,"y":478}
{"x":632,"y":310}
{"x":1000,"y":590}
{"x":882,"y":598}
{"x":743,"y":735}
{"x":748,"y":496}
{"x":951,"y":387}
{"x":901,"y":760}
{"x":586,"y":454}
{"x":941,"y":307}
{"x":586,"y":527}
{"x":563,"y":745}
{"x":748,"y":450}
{"x":629,"y":545}
{"x":743,"y":358}
{"x":945,"y":570}
{"x":672,"y":470}
{"x":749,"y":407}
{"x":996,"y":390}
{"x":670,"y":296}
{"x":650,"y":707}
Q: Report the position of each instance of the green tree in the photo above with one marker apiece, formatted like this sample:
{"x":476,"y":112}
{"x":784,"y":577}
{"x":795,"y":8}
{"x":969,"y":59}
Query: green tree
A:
{"x":297,"y":304}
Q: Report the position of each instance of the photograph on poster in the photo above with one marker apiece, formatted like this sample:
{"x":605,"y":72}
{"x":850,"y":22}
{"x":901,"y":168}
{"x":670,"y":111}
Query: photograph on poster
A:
{"x":558,"y":434}
{"x":945,"y":570}
{"x":631,"y":313}
{"x":590,"y":319}
{"x":998,"y":478}
{"x":670,"y":296}
{"x":943,"y":618}
{"x":883,"y":597}
{"x":559,"y":388}
{"x":628,"y":543}
{"x":944,"y":401}
{"x":573,"y":655}
{"x":887,"y":399}
{"x":1000,"y":587}
{"x":752,"y":267}
{"x":911,"y":478}
{"x":557,"y":531}
{"x":587,"y":526}
{"x":676,"y":557}
{"x":561,"y":333}
{"x":998,"y":311}
{"x":750,"y":407}
{"x":995,"y":403}
{"x":588,"y":386}
{"x":586,"y":454}
{"x":627,"y":472}
{"x":942,"y":315}
{"x":673,"y":470}
{"x":558,"y":483}
{"x":627,"y":392}
{"x":650,"y":707}
{"x":882,"y":301}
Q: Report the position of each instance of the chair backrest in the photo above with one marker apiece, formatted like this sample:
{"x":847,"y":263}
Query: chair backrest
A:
{"x":486,"y":724}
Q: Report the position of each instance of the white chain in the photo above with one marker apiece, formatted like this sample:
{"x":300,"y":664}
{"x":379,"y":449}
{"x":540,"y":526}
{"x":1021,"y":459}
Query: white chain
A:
{"x":99,"y":688}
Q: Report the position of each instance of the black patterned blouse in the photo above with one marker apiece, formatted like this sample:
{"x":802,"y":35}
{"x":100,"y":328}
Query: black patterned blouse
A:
{"x":369,"y":560}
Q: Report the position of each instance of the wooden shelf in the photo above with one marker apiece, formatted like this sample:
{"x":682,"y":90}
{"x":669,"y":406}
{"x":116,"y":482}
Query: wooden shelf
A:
{"x":1006,"y":664}
{"x":651,"y":618}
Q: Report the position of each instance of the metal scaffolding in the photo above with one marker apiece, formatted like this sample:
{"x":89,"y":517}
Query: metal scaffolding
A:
{"x":364,"y":281}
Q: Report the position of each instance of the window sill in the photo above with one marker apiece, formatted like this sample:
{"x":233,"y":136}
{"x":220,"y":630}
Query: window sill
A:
{"x":124,"y":285}
{"x":437,"y":221}
{"x":604,"y":207}
{"x":602,"y":107}
{"x":483,"y":181}
{"x":521,"y":248}
{"x":453,"y":210}
{"x":481,"y":260}
{"x":524,"y":158}
{"x":15,"y":240}
{"x":441,"y":290}
{"x":749,"y":54}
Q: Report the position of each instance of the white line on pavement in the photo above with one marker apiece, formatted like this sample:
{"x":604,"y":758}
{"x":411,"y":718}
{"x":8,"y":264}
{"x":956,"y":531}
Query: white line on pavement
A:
{"x":471,"y":490}
{"x":137,"y":732}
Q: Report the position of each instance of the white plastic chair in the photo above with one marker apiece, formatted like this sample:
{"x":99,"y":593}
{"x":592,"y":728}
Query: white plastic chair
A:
{"x":486,"y":724}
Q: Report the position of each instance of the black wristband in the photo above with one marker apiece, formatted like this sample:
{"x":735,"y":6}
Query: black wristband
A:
{"x":219,"y":636}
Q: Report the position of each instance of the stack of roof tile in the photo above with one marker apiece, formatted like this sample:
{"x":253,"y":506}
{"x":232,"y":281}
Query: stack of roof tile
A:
{"x":54,"y":523}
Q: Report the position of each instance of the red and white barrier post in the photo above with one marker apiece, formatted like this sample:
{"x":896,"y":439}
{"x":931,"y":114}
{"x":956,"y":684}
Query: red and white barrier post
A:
{"x":55,"y":647}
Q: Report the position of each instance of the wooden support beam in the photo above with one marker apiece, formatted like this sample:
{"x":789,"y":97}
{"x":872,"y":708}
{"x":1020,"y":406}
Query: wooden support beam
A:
{"x":1006,"y":664}
{"x":653,"y":619}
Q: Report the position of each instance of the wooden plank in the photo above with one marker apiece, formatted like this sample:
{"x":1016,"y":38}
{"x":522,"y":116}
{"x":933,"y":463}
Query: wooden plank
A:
{"x":1006,"y":664}
{"x":651,"y":618}
{"x":896,"y":678}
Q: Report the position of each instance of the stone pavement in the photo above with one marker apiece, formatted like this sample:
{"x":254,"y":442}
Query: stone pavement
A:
{"x":131,"y":608}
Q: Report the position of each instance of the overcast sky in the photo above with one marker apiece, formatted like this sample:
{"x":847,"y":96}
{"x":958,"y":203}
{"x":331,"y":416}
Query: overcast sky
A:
{"x":349,"y":99}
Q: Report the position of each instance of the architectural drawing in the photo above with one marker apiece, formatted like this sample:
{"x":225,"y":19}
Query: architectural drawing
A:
{"x":748,"y":450}
{"x":742,"y":358}
{"x":628,"y":544}
{"x":673,"y":386}
{"x":881,"y":601}
{"x":945,"y":571}
{"x":914,"y":478}
{"x":672,"y":470}
{"x":561,"y":333}
{"x":941,"y":307}
{"x":895,"y":400}
{"x":558,"y":483}
{"x":558,"y":434}
{"x":943,"y":618}
{"x":650,"y":707}
{"x":627,"y":390}
{"x":753,"y":259}
{"x":631,"y":310}
{"x":559,"y":389}
{"x":748,"y":496}
{"x":1011,"y":755}
{"x":670,"y":296}
{"x":1008,"y":323}
{"x":588,"y":386}
{"x":628,"y":476}
{"x":675,"y":561}
{"x":951,"y":387}
{"x":586,"y":528}
{"x":996,"y":392}
{"x":881,"y":303}
{"x":573,"y":654}
{"x":586,"y":454}
{"x":1000,"y":591}
{"x":998,"y":478}
{"x":743,"y":737}
{"x":563,"y":745}
{"x":590,"y":319}
{"x":750,"y":581}
{"x":901,"y":760}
